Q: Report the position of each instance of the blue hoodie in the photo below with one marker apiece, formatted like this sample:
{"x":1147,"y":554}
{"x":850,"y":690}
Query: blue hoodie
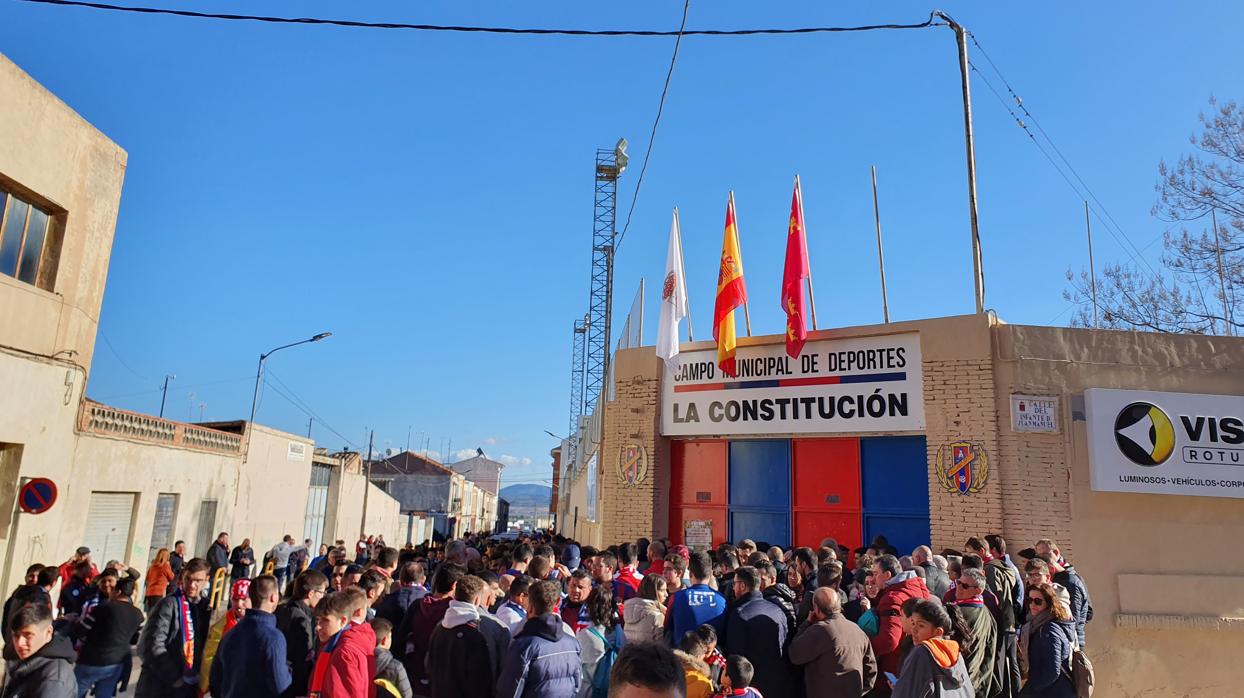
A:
{"x":251,"y":661}
{"x":694,"y":606}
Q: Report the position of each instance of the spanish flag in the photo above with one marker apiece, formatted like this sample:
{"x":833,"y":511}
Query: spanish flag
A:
{"x":731,"y":293}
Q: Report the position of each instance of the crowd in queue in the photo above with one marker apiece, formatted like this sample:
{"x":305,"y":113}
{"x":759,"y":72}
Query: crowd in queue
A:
{"x":542,"y":617}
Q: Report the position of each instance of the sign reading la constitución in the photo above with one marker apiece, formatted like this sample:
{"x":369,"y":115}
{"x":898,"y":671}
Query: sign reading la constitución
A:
{"x":1165,"y":443}
{"x":862,"y":384}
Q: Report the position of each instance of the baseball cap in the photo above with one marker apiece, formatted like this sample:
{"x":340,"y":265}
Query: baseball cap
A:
{"x":84,"y":550}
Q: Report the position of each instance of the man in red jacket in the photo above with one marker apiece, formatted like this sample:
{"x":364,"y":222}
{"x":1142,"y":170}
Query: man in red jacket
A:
{"x":346,"y":663}
{"x":896,"y":587}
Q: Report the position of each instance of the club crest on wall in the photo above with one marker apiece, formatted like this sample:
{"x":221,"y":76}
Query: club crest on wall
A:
{"x":632,"y":464}
{"x":962,"y":467}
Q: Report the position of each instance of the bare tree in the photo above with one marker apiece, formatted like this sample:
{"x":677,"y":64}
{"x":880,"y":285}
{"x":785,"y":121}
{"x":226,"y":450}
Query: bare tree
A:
{"x":1202,"y":279}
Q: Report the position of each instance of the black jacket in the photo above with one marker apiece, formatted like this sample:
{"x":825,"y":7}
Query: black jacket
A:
{"x":160,"y":646}
{"x":108,"y":640}
{"x":46,"y":674}
{"x":393,"y":606}
{"x":458,"y":662}
{"x":784,"y":597}
{"x":935,"y":579}
{"x":218,"y":556}
{"x":756,"y":629}
{"x":296,"y":621}
{"x":241,"y":570}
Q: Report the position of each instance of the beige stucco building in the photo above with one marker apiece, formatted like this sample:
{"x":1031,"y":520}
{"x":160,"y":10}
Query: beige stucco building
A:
{"x":1024,"y":407}
{"x":127,"y":484}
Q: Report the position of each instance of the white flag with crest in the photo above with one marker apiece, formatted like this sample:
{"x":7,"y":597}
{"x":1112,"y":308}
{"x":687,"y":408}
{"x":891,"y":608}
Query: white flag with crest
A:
{"x":673,"y":300}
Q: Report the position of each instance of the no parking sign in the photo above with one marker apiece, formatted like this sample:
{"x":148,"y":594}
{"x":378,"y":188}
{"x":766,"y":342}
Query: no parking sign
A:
{"x":37,"y":495}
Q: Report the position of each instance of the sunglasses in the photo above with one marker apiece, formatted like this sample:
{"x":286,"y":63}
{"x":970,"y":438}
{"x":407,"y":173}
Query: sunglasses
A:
{"x":1036,"y":602}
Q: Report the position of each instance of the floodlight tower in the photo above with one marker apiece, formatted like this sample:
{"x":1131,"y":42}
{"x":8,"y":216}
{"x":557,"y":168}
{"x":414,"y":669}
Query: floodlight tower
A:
{"x":577,"y":359}
{"x":609,"y":166}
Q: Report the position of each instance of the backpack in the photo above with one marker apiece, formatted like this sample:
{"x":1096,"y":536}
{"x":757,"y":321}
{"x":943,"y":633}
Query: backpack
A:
{"x":1079,"y":670}
{"x":600,"y":678}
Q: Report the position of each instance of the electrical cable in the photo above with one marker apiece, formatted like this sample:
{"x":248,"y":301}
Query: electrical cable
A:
{"x":306,"y":409}
{"x":478,"y":30}
{"x":1066,"y":179}
{"x":655,"y":122}
{"x":1088,"y":190}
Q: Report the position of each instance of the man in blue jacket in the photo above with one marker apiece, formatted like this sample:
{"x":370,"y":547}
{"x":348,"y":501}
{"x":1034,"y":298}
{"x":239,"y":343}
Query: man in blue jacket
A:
{"x":543,"y":659}
{"x":251,"y":661}
{"x":699,"y":603}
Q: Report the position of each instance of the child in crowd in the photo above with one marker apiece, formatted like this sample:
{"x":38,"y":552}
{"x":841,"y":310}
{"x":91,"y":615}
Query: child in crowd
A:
{"x":390,"y":674}
{"x":715,"y":660}
{"x":347,"y":660}
{"x":738,"y":681}
{"x":691,"y":652}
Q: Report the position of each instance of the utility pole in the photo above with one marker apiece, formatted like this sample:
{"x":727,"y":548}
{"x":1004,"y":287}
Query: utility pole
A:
{"x":978,"y":273}
{"x":167,"y":377}
{"x":371,"y":440}
{"x":309,"y":421}
{"x":1088,"y":228}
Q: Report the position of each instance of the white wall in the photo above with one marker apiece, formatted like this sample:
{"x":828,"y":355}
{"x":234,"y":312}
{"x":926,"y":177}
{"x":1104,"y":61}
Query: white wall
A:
{"x":274,"y":486}
{"x":38,"y":405}
{"x":383,"y":512}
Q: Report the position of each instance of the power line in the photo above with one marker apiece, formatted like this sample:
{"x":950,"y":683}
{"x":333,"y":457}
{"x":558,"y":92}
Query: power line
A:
{"x":478,"y":30}
{"x":1088,"y":190}
{"x":655,"y":122}
{"x":117,"y":354}
{"x":1136,"y":254}
{"x":302,"y":406}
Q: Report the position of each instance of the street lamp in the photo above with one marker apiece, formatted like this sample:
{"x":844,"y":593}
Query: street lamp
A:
{"x":259,"y":377}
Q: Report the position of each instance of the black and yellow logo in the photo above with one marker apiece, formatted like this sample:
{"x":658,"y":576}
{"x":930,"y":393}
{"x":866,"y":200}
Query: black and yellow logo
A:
{"x":1144,"y":434}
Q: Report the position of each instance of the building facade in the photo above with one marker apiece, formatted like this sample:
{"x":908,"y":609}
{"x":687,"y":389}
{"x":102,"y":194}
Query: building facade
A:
{"x":126,"y":484}
{"x":936,"y":430}
{"x":448,"y":495}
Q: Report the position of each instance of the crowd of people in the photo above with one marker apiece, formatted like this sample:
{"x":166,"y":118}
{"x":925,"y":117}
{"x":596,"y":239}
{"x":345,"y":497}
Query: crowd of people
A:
{"x":540,"y":616}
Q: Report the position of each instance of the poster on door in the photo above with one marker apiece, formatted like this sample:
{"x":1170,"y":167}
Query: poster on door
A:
{"x":698,"y":534}
{"x":862,"y":384}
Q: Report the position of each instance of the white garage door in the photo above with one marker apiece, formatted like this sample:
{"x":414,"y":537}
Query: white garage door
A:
{"x":108,"y":524}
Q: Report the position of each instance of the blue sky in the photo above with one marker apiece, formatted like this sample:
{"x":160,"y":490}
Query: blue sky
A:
{"x":427,"y":197}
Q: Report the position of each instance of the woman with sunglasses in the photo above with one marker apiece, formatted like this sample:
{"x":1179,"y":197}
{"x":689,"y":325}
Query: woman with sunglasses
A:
{"x":1045,"y":645}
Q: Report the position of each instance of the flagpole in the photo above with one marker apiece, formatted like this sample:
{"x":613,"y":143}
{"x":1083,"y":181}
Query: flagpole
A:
{"x":682,"y":273}
{"x":747,"y":317}
{"x":806,"y":256}
{"x":885,"y":302}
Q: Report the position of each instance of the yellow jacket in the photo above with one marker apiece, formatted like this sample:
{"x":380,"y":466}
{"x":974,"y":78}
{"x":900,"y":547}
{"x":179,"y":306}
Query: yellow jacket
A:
{"x":699,"y":685}
{"x":214,"y":635}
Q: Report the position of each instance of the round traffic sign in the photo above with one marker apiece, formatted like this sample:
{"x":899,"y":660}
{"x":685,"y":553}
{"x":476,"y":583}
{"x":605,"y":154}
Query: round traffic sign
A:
{"x":37,"y":495}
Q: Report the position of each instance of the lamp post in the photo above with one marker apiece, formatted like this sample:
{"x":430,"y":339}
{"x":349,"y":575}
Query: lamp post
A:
{"x":259,"y":378}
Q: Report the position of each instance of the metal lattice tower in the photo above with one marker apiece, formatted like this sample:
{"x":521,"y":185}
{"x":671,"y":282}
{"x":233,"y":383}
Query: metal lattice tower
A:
{"x":604,"y":236}
{"x":577,"y":359}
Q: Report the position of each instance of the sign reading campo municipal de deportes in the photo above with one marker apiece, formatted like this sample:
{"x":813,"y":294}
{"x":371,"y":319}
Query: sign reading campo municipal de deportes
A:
{"x":862,"y":384}
{"x":1166,"y":443}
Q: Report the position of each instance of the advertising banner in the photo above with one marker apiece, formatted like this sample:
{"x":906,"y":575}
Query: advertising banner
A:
{"x":1165,"y":443}
{"x":867,"y":384}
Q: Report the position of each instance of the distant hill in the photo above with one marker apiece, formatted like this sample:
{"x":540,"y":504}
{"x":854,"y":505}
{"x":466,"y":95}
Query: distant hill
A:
{"x":527,"y":495}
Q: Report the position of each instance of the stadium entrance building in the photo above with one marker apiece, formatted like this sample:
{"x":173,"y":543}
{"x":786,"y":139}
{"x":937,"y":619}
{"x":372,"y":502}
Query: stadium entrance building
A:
{"x":1127,"y":448}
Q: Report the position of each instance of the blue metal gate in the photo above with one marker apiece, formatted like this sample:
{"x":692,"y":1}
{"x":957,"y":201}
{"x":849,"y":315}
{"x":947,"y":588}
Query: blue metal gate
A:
{"x":760,"y":506}
{"x":895,"y":483}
